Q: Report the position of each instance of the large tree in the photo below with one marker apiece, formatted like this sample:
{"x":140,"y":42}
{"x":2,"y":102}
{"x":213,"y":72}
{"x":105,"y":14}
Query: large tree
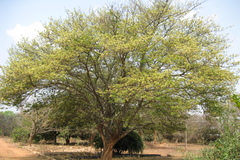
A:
{"x":121,"y":63}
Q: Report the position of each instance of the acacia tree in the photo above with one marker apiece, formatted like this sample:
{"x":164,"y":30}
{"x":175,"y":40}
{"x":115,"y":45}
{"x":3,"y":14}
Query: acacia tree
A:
{"x":67,"y":117}
{"x":163,"y":123}
{"x":36,"y":121}
{"x":120,"y":63}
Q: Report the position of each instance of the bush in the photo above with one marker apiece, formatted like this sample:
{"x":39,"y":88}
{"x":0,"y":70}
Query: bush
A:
{"x":227,"y":147}
{"x":210,"y":134}
{"x":131,"y":143}
{"x":148,"y":138}
{"x":49,"y":136}
{"x":20,"y":135}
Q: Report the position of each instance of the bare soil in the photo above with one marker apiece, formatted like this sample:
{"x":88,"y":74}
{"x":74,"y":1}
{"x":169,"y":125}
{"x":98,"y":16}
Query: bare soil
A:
{"x":14,"y":151}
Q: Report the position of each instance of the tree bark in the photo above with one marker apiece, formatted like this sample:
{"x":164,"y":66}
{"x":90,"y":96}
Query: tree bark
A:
{"x":109,"y":139}
{"x":107,"y":151}
{"x":32,"y":135}
{"x":155,"y":136}
{"x":91,"y":139}
{"x":108,"y":145}
{"x":67,"y":141}
{"x":55,"y":138}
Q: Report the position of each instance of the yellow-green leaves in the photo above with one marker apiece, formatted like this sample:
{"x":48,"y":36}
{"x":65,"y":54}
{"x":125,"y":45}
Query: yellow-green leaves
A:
{"x":125,"y":58}
{"x":123,"y":65}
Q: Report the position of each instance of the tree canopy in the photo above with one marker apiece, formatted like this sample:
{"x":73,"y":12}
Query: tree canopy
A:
{"x":121,"y":63}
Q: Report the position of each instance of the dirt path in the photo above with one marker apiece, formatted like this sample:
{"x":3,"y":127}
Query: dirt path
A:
{"x":12,"y":151}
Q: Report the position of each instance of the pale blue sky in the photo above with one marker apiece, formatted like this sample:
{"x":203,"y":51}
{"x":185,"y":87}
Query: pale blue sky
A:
{"x":27,"y":12}
{"x":24,"y":13}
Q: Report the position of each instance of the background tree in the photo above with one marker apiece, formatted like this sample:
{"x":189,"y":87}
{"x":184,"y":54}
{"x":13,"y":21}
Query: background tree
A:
{"x":67,"y":118}
{"x":7,"y":122}
{"x":39,"y":122}
{"x":35,"y":121}
{"x":227,"y":146}
{"x":162,"y":123}
{"x":200,"y":129}
{"x":121,"y":62}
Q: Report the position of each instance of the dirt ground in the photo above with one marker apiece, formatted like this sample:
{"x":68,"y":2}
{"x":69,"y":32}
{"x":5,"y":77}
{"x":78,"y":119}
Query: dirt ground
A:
{"x":14,"y":151}
{"x":172,"y":150}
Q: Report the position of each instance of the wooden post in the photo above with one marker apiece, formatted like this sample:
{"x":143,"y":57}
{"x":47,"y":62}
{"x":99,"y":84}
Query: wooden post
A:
{"x":186,"y":138}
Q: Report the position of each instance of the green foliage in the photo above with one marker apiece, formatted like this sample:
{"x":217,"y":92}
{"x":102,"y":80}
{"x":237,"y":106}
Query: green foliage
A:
{"x":67,"y":133}
{"x":98,"y":142}
{"x":8,"y":113}
{"x":119,"y":64}
{"x":227,"y":147}
{"x":131,"y":143}
{"x":20,"y":135}
{"x":47,"y":136}
{"x":1,"y":132}
{"x":118,"y":57}
{"x":66,"y":117}
{"x":148,"y":137}
{"x":210,"y":135}
{"x":7,"y":122}
{"x":236,"y":100}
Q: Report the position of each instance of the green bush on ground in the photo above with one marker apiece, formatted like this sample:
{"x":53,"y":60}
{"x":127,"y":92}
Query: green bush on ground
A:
{"x":20,"y":135}
{"x":131,"y":143}
{"x":227,"y":147}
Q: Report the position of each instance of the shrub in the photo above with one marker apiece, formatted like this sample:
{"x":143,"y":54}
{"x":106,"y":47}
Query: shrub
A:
{"x":131,"y":143}
{"x":148,"y":138}
{"x":227,"y":147}
{"x":49,"y":136}
{"x":20,"y":135}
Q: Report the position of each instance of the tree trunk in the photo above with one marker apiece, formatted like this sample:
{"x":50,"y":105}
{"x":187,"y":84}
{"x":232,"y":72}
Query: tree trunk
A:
{"x":107,"y":151}
{"x":67,"y":140}
{"x":55,"y":138}
{"x":91,"y":139}
{"x":109,"y":140}
{"x":155,"y":136}
{"x":32,"y":135}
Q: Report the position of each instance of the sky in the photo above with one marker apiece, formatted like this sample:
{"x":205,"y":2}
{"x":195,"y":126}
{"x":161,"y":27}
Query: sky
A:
{"x":23,"y":17}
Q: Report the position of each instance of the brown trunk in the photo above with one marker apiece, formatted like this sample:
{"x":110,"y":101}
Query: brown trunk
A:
{"x":31,"y":139}
{"x":55,"y":139}
{"x":155,"y":136}
{"x":109,"y":140}
{"x":107,"y":151}
{"x":91,"y":139}
{"x":67,"y":141}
